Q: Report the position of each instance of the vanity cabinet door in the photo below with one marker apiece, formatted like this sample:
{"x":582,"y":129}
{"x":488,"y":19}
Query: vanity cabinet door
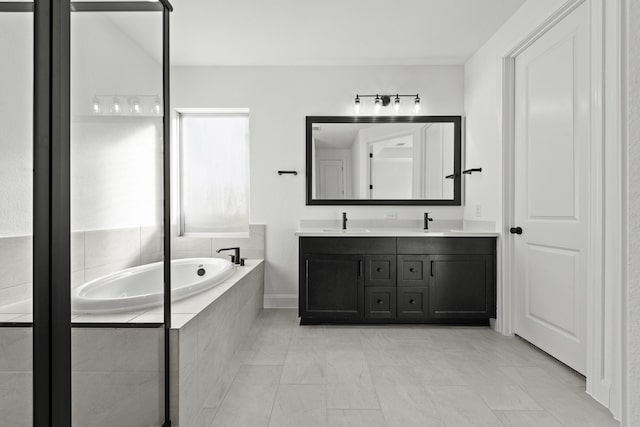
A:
{"x":380,"y":270}
{"x":412,"y":303}
{"x":333,"y":287}
{"x":380,"y":302}
{"x":413,"y":270}
{"x":461,"y":286}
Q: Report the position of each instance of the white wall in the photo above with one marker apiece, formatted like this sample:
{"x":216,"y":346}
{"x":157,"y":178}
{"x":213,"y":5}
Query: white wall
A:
{"x":483,"y":99}
{"x":16,"y":123}
{"x":632,"y":297}
{"x":279,"y":98}
{"x":116,"y":163}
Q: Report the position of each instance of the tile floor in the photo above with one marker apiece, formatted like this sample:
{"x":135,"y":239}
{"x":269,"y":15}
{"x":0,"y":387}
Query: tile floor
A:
{"x":291,"y":375}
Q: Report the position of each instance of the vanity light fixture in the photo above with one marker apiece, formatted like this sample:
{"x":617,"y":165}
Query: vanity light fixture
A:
{"x":384,"y":100}
{"x":116,"y":105}
{"x":96,"y":105}
{"x":157,"y":105}
{"x":134,"y":104}
{"x":126,"y":105}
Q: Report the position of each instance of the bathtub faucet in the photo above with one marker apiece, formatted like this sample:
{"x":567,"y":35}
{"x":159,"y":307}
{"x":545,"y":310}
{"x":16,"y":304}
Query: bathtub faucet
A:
{"x":235,"y":258}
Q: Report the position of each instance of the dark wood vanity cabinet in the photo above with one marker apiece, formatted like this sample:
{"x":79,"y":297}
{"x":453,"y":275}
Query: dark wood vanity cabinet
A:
{"x":397,"y":280}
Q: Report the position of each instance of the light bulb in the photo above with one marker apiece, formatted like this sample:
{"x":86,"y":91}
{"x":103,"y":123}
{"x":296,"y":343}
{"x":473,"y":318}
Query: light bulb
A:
{"x":378,"y":103}
{"x":157,"y":106}
{"x":417,"y":101}
{"x":116,"y":105}
{"x":135,"y":105}
{"x":96,"y":105}
{"x":357,"y":104}
{"x":396,"y":104}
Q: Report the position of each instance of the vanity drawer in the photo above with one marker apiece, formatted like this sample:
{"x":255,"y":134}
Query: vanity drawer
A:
{"x":348,"y":245}
{"x":412,"y":303}
{"x":380,"y":270}
{"x":446,"y":245}
{"x":413,"y":270}
{"x":380,"y":303}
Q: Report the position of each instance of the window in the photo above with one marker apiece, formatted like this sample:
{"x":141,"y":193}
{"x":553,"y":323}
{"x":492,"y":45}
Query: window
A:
{"x":214,"y":173}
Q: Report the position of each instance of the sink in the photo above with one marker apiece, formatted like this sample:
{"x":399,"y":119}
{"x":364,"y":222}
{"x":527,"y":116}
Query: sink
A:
{"x":348,"y":230}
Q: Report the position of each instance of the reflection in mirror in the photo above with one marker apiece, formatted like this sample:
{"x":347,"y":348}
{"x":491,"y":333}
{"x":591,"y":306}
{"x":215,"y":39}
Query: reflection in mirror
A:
{"x":383,"y":161}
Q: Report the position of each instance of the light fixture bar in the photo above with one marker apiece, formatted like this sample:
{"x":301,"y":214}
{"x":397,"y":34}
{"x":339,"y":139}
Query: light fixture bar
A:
{"x":385,"y":100}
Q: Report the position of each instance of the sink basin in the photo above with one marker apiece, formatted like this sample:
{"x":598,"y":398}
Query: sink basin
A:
{"x":348,"y":230}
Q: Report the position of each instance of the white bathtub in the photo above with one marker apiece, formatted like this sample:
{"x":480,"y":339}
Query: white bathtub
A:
{"x":141,"y":287}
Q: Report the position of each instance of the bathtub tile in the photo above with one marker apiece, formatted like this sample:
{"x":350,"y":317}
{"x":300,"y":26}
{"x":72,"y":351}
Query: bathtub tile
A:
{"x":151,"y":244}
{"x":24,"y":318}
{"x":112,"y":246}
{"x":77,"y":278}
{"x":117,"y":350}
{"x":15,"y":261}
{"x":10,"y":296}
{"x":18,"y":308}
{"x":8,"y":317}
{"x":190,"y":247}
{"x":16,"y":349}
{"x":116,"y":398}
{"x":106,"y":318}
{"x":77,"y":251}
{"x":16,"y":402}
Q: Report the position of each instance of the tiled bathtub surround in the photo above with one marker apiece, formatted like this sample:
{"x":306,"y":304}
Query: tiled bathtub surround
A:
{"x":204,"y":346}
{"x":100,"y":252}
{"x":116,"y":377}
{"x":16,"y":260}
{"x":118,"y":373}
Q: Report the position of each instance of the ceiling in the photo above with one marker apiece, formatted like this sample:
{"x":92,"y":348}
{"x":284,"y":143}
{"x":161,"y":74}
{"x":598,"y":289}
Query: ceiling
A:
{"x":327,"y":32}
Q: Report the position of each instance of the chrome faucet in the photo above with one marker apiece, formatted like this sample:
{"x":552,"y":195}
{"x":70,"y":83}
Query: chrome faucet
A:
{"x":235,"y":258}
{"x":427,"y":220}
{"x":344,"y":220}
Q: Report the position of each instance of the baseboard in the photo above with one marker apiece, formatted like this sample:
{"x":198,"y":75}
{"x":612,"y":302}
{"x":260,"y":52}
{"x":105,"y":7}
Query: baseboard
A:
{"x":281,"y":301}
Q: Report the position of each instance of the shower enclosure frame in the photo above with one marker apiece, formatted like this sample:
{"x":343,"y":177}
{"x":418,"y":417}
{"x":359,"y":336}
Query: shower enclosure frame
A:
{"x":52,"y":400}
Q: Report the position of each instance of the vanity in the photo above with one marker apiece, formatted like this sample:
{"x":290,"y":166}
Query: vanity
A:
{"x":397,"y":277}
{"x":378,"y":274}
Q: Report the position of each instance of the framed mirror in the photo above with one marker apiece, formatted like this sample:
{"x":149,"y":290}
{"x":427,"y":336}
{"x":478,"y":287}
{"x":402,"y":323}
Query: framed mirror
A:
{"x":384,"y":160}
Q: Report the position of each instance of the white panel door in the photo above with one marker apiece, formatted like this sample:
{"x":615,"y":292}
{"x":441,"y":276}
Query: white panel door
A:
{"x":551,"y":199}
{"x":331,"y":179}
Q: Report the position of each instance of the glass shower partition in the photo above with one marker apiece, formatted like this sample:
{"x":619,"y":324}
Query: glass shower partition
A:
{"x":16,"y":224}
{"x":117,"y":214}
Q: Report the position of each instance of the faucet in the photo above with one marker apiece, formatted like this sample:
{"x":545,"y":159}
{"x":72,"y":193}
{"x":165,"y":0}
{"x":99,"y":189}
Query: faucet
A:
{"x":344,"y":220}
{"x":235,"y":258}
{"x":427,"y":220}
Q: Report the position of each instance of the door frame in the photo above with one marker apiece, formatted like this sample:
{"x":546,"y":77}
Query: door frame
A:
{"x":604,"y":304}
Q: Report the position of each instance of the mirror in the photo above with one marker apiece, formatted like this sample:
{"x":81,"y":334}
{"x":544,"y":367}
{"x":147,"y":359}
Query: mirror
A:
{"x":380,"y":160}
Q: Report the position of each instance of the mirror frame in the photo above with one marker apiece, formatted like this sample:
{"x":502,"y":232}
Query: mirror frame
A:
{"x":457,"y":158}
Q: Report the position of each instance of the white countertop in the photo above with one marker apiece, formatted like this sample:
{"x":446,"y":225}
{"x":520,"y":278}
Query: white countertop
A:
{"x":390,"y":232}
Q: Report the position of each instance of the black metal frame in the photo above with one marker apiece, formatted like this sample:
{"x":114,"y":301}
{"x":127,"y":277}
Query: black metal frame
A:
{"x":457,"y":154}
{"x":51,"y":203}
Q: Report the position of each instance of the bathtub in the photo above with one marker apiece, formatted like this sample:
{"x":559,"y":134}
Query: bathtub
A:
{"x":141,"y":287}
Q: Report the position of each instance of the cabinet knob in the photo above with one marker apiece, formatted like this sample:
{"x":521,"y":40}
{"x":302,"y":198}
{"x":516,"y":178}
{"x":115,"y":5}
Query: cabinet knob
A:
{"x":412,"y":301}
{"x":380,"y":301}
{"x":411,"y":270}
{"x":378,"y":269}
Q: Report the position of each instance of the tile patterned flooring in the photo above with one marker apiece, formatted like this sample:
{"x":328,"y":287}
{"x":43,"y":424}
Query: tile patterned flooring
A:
{"x":291,"y":375}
